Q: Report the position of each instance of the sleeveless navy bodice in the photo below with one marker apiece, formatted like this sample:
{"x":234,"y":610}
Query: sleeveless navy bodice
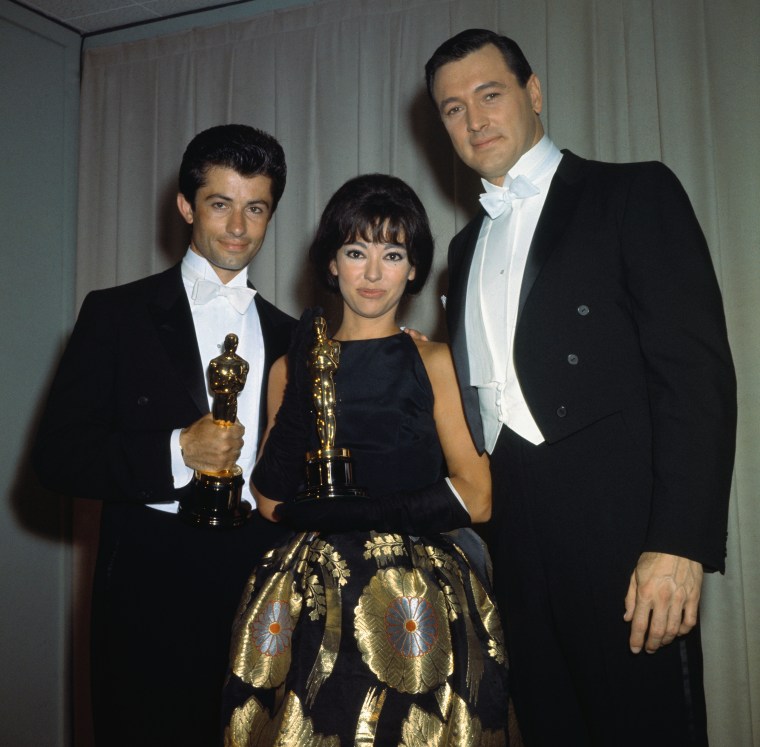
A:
{"x":384,"y":415}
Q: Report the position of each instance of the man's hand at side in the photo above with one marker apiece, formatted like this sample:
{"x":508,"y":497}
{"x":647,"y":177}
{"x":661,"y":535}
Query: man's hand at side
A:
{"x":662,"y":600}
{"x":209,"y":446}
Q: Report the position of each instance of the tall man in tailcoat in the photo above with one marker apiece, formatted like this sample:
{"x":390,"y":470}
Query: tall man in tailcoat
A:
{"x":128,"y":421}
{"x":589,"y":338}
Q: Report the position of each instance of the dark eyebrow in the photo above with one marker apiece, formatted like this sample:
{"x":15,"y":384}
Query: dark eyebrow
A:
{"x":219,"y":196}
{"x":478,"y":89}
{"x":386,"y":245}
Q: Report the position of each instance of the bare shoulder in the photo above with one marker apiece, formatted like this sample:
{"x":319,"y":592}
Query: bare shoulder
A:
{"x":279,"y":368}
{"x":437,"y":359}
{"x":278,"y":378}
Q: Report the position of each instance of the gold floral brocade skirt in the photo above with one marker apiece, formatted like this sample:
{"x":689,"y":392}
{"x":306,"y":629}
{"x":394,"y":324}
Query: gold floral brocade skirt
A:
{"x":368,"y":639}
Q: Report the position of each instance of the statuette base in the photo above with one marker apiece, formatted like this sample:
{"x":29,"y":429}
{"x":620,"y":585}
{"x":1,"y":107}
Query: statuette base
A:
{"x":216,"y":500}
{"x":330,"y":474}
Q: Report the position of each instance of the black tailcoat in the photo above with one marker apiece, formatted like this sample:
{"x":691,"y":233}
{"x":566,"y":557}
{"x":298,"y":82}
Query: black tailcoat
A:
{"x":622,"y":356}
{"x":164,"y":593}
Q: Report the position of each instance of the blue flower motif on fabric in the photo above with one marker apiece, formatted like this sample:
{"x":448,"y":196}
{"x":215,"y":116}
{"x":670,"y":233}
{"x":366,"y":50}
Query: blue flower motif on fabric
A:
{"x":273,"y":628}
{"x":411,"y":625}
{"x":401,"y":628}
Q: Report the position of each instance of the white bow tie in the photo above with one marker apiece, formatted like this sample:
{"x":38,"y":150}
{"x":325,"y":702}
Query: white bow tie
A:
{"x":500,"y":200}
{"x":239,"y":296}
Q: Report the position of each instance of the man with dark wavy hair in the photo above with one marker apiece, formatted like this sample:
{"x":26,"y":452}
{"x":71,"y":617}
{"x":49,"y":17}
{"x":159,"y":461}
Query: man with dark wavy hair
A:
{"x":588,"y":333}
{"x":127,"y":423}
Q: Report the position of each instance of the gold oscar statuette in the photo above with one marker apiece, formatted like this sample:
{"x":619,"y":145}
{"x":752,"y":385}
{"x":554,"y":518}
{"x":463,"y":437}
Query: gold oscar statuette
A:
{"x":329,"y":470}
{"x":214,"y":499}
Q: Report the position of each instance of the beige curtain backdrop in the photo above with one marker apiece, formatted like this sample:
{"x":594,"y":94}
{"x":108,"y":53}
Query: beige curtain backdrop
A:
{"x":340,"y":83}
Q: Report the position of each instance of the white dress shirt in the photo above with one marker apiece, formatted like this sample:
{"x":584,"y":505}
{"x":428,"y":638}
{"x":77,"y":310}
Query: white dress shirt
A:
{"x":493,"y":291}
{"x":213,"y":321}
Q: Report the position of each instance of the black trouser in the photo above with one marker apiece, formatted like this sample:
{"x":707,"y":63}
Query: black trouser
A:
{"x":569,"y":522}
{"x":164,"y":598}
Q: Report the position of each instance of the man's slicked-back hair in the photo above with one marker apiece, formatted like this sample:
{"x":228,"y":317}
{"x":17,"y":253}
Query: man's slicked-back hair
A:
{"x":244,"y":149}
{"x":471,"y":40}
{"x":375,"y":208}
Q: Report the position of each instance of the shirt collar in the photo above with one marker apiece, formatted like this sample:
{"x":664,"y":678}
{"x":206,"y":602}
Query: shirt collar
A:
{"x":541,"y":159}
{"x":195,"y":267}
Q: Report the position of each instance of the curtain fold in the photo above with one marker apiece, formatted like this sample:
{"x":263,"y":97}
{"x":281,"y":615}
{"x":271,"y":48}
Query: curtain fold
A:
{"x":340,"y":84}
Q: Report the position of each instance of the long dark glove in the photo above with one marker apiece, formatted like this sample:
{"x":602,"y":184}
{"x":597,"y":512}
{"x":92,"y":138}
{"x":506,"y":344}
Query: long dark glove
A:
{"x":430,"y":510}
{"x":280,"y":468}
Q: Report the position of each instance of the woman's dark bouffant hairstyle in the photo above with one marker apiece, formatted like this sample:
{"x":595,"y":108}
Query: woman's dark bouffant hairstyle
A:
{"x":374,"y":208}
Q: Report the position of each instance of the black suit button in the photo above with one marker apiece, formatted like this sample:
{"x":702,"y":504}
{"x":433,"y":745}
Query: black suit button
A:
{"x":572,"y":359}
{"x":583,"y":309}
{"x":561,"y":411}
{"x":142,"y":400}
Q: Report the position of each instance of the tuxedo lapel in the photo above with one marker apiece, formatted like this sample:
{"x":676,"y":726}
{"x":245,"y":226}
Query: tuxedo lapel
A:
{"x":170,"y":313}
{"x":560,"y":205}
{"x":267,"y":328}
{"x":275,"y":331}
{"x":460,"y":260}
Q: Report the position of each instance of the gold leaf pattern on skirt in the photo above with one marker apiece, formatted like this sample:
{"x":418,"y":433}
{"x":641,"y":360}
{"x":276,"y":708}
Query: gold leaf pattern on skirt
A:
{"x":251,"y":726}
{"x":422,"y":729}
{"x":369,"y":716}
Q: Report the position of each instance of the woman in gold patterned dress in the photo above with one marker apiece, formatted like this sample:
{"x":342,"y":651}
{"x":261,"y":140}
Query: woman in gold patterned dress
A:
{"x":374,"y":624}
